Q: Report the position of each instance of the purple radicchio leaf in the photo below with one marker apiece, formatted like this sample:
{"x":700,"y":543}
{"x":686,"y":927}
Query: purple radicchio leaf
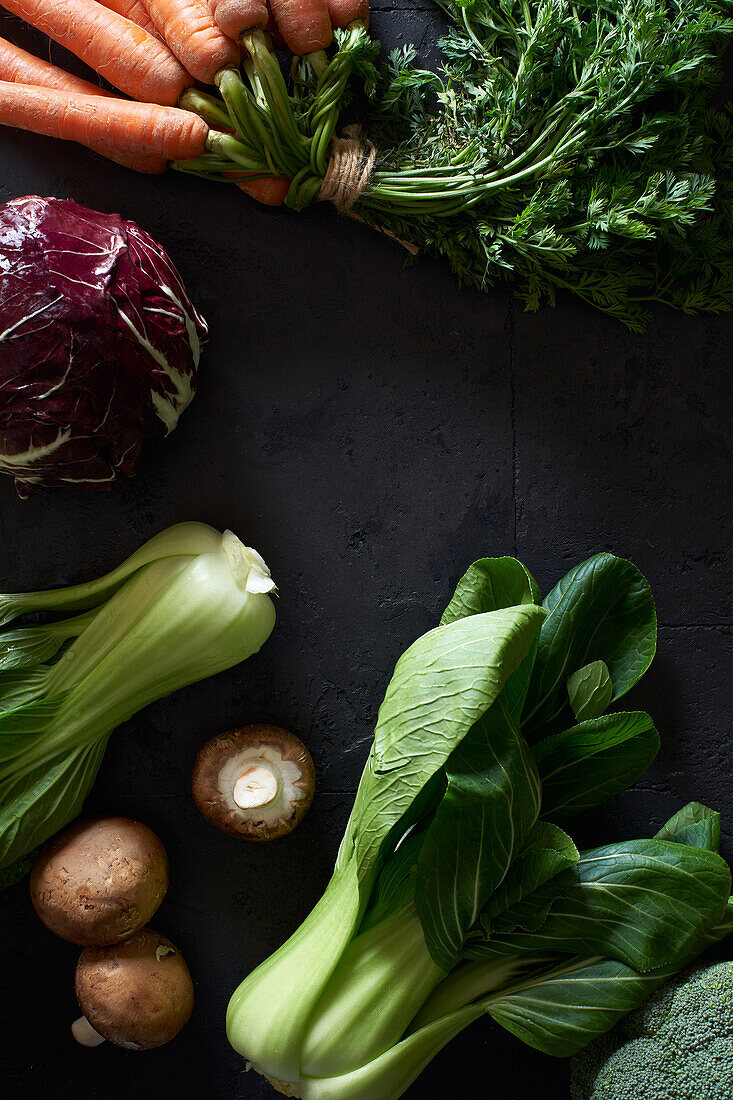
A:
{"x":99,"y":344}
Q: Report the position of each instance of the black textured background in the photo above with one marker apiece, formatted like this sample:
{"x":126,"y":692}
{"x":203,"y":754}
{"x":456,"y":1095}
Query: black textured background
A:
{"x":371,"y":431}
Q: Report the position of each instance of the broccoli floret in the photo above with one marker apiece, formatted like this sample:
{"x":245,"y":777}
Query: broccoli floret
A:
{"x":677,"y":1046}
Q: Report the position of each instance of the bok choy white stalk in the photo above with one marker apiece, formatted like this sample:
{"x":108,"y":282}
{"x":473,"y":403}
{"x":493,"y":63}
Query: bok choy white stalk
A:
{"x":189,"y":603}
{"x":457,"y":892}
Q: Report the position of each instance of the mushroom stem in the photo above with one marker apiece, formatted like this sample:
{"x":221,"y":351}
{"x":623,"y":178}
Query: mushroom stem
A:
{"x":254,"y":782}
{"x":256,"y":786}
{"x":85,"y":1034}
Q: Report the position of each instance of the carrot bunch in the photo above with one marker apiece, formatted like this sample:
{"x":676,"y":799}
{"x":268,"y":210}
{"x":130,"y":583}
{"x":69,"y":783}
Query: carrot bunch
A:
{"x":158,"y":53}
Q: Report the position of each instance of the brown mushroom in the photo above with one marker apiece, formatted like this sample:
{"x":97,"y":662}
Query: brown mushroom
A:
{"x":100,"y":880}
{"x":256,"y":782}
{"x":137,"y":994}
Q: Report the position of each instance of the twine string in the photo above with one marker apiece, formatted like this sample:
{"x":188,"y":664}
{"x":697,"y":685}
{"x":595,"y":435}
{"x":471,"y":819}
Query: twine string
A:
{"x":349,"y":169}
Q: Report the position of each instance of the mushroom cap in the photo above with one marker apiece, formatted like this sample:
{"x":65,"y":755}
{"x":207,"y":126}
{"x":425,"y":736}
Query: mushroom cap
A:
{"x":138,"y":993}
{"x":100,"y":880}
{"x":268,"y":769}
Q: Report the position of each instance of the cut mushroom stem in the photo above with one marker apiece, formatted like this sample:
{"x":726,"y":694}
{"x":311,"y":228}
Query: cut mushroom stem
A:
{"x":85,"y":1034}
{"x":256,"y":782}
{"x":256,"y":786}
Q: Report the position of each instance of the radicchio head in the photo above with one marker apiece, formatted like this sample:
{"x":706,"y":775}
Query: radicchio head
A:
{"x":99,"y":344}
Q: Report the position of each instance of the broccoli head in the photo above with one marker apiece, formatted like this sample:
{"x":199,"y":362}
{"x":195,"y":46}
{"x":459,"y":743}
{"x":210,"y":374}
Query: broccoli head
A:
{"x":677,"y":1046}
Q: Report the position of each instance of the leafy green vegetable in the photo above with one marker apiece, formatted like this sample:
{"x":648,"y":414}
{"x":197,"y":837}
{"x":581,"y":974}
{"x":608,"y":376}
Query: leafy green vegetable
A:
{"x":562,"y":1010}
{"x":566,"y":146}
{"x":490,"y":584}
{"x":544,"y":870}
{"x":585,"y":766}
{"x":641,"y":902}
{"x":562,"y":145}
{"x":189,"y":603}
{"x":590,"y":690}
{"x":491,"y":803}
{"x":440,"y":688}
{"x":602,"y":610}
{"x":694,"y":824}
{"x":454,"y":894}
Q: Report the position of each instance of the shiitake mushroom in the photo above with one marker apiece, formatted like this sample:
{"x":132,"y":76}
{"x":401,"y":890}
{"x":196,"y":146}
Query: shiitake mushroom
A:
{"x":255,"y":782}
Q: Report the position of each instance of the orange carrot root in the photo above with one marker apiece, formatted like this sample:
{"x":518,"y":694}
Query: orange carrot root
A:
{"x":189,"y":29}
{"x":135,"y":12}
{"x":270,"y":191}
{"x":304,"y":24}
{"x":234,"y":17}
{"x":121,"y":52}
{"x":343,"y":12}
{"x":23,"y":68}
{"x":123,"y":127}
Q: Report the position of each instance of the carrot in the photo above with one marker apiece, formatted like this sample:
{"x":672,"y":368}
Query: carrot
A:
{"x":304,"y":24}
{"x":271,"y":191}
{"x":126,"y":127}
{"x":234,"y":17}
{"x":23,"y":68}
{"x":117,"y":49}
{"x":135,"y":12}
{"x":189,"y":29}
{"x":343,"y":12}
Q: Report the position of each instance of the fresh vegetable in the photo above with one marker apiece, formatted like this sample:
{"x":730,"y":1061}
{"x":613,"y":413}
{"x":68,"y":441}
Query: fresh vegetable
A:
{"x":304,"y":24}
{"x":135,"y":12}
{"x":590,"y":690}
{"x":562,"y":146}
{"x":457,"y":893}
{"x":116,"y":48}
{"x":234,"y":17}
{"x":137,"y":994}
{"x":567,"y":147}
{"x":23,"y":68}
{"x":189,"y":29}
{"x":100,"y":881}
{"x":190,"y":603}
{"x":270,"y":192}
{"x":114,"y":361}
{"x":678,"y":1046}
{"x":345,"y":12}
{"x":256,"y":782}
{"x":141,"y":129}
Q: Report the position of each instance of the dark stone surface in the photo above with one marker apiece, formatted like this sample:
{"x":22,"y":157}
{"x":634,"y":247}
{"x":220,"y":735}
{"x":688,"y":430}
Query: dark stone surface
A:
{"x":371,"y":431}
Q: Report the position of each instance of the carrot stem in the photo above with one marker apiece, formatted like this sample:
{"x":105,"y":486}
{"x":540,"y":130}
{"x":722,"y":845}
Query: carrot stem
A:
{"x":229,"y":146}
{"x":207,"y":107}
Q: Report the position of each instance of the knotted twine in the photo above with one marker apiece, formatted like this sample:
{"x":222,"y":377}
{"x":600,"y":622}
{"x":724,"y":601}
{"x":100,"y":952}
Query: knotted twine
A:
{"x":348,"y":173}
{"x":349,"y":169}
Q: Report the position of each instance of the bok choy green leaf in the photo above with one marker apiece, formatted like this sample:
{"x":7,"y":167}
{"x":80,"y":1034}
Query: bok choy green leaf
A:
{"x":456,"y":892}
{"x":489,"y":808}
{"x":585,"y":766}
{"x":602,"y":610}
{"x":189,"y":603}
{"x":441,"y":687}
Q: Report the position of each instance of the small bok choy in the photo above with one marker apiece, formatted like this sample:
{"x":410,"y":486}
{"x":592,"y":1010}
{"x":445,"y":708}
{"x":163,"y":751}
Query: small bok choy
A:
{"x":457,"y":891}
{"x":189,"y":603}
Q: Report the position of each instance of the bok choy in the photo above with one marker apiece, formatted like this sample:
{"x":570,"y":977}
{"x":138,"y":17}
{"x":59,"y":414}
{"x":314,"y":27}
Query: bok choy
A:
{"x":189,"y":603}
{"x":457,"y":892}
